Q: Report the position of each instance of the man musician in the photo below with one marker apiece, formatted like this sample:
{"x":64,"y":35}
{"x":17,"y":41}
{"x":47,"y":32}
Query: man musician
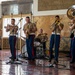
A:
{"x":43,"y":39}
{"x":72,"y":45}
{"x":12,"y":28}
{"x":56,"y":28}
{"x":30,"y":30}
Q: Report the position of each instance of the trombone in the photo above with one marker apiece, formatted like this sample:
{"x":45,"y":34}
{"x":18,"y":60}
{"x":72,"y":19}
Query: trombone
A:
{"x":56,"y":23}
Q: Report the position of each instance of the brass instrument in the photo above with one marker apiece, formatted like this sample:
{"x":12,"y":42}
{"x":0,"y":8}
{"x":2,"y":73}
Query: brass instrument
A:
{"x":27,"y":33}
{"x":57,"y":21}
{"x":29,"y":29}
{"x":43,"y":37}
{"x":71,"y":15}
{"x":10,"y":28}
{"x":71,"y":12}
{"x":55,"y":24}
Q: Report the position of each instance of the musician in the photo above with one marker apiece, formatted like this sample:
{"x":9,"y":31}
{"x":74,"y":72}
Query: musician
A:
{"x":71,"y":36}
{"x":30,"y":30}
{"x":56,"y":28}
{"x":72,"y":27}
{"x":43,"y":37}
{"x":12,"y":28}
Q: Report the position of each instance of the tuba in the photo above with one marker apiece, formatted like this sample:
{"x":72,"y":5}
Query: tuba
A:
{"x":71,"y":15}
{"x":71,"y":12}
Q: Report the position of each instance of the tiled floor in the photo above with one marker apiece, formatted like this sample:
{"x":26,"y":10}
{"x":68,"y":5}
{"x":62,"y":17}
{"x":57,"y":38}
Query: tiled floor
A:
{"x":39,"y":67}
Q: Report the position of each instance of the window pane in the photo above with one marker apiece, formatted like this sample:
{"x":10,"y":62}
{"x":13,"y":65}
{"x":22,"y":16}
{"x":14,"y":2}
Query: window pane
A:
{"x":17,"y":22}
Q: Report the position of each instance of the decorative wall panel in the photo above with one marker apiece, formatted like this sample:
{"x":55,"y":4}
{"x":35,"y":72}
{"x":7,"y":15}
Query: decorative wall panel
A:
{"x":44,"y":5}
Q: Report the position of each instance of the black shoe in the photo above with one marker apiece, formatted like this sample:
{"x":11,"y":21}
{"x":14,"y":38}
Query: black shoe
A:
{"x":50,"y":58}
{"x":10,"y":57}
{"x":51,"y":65}
{"x":55,"y":62}
{"x":33,"y":59}
{"x":11,"y":61}
{"x":28,"y":59}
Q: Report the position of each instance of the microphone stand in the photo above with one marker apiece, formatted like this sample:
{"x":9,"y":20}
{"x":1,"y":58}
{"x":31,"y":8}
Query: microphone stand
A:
{"x":17,"y":60}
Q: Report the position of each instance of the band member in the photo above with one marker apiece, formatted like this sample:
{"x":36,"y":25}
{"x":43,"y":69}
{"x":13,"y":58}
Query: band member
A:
{"x":43,"y":37}
{"x":72,"y":27}
{"x":56,"y":27}
{"x":12,"y":28}
{"x":71,"y":36}
{"x":29,"y":30}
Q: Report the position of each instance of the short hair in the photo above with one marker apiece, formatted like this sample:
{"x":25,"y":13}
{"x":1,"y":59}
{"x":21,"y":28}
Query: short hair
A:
{"x":28,"y":17}
{"x":13,"y":20}
{"x":57,"y":16}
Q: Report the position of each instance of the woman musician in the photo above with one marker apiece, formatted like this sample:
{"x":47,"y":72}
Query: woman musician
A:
{"x":12,"y":38}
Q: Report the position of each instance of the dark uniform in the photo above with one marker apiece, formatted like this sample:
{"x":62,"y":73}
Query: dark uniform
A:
{"x":55,"y":40}
{"x":30,"y":29}
{"x":12,"y":39}
{"x":73,"y":46}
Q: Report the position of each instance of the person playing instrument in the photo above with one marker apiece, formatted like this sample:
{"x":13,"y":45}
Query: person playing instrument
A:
{"x":43,"y":37}
{"x":12,"y":28}
{"x":71,"y":37}
{"x":56,"y":27}
{"x":30,"y":30}
{"x":72,"y":27}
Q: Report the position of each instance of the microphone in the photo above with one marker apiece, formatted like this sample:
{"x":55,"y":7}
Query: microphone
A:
{"x":20,"y":19}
